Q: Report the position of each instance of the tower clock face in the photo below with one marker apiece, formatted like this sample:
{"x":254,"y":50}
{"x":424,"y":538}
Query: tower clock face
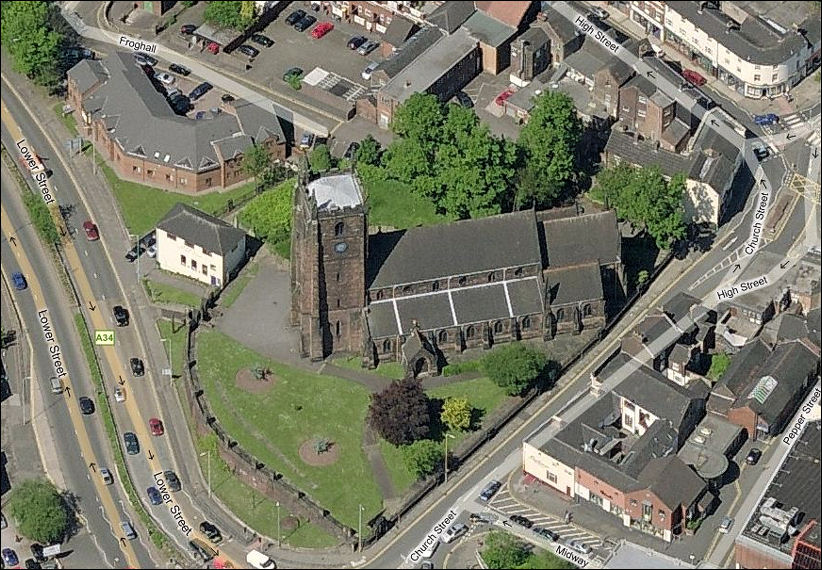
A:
{"x":341,"y":247}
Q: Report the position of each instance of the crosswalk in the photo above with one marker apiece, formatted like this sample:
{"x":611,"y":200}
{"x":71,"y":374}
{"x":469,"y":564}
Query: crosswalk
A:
{"x":795,"y":120}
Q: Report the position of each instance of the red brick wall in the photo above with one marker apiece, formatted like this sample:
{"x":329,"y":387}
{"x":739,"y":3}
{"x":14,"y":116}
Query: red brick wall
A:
{"x":670,"y":519}
{"x":600,"y":488}
{"x":744,"y":417}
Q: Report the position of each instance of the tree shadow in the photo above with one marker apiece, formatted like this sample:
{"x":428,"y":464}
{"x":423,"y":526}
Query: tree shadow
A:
{"x":640,"y":253}
{"x":436,"y":427}
{"x":71,"y":503}
{"x":477,"y":414}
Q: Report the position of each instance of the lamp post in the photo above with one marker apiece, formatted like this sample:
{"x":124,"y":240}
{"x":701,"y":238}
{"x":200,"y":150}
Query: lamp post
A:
{"x":359,"y":529}
{"x":208,"y":453}
{"x":447,"y":436}
{"x":279,"y":535}
{"x":171,"y":368}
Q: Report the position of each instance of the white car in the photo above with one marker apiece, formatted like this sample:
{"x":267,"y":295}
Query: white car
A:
{"x":164,"y":77}
{"x":580,"y":546}
{"x":453,"y":532}
{"x":152,"y":251}
{"x":601,"y":13}
{"x":366,"y":73}
{"x":119,"y":395}
{"x":725,"y":525}
{"x":105,"y":474}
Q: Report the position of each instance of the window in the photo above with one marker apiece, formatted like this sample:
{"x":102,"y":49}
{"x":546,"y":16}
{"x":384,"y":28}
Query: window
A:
{"x":339,"y":228}
{"x":387,"y":345}
{"x":379,"y":295}
{"x":756,"y":77}
{"x":775,"y":77}
{"x":461,"y":281}
{"x":337,"y":327}
{"x":182,"y":260}
{"x":642,"y":99}
{"x":586,"y":310}
{"x":647,"y":511}
{"x":136,"y":169}
{"x":338,"y":303}
{"x":435,"y":286}
{"x":188,"y":243}
{"x":338,"y":276}
{"x":492,"y":277}
{"x":498,"y":328}
{"x":560,"y":315}
{"x":469,"y":332}
{"x":206,"y":252}
{"x":661,"y":514}
{"x":182,"y":181}
{"x":194,"y":264}
{"x":172,"y":237}
{"x":634,"y":503}
{"x":442,"y":336}
{"x":150,"y":173}
{"x":205,"y":269}
{"x":628,"y":421}
{"x":213,"y":268}
{"x":629,"y":405}
{"x":551,"y":477}
{"x":208,"y":181}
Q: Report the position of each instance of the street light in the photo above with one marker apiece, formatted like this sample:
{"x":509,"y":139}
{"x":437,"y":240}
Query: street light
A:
{"x":359,"y":529}
{"x":209,"y":470}
{"x":170,"y":367}
{"x":447,"y":435}
{"x":279,"y":536}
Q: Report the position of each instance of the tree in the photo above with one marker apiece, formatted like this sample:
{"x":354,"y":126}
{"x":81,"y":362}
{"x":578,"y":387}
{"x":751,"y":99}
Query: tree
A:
{"x":39,"y":511}
{"x":420,"y":119}
{"x":503,"y":550}
{"x":400,"y":412}
{"x":269,"y":214}
{"x":369,"y":151}
{"x":642,"y":277}
{"x":422,"y":457}
{"x":33,"y":44}
{"x":456,"y":413}
{"x":256,"y":162}
{"x":514,"y":367}
{"x":719,"y":364}
{"x":320,"y":159}
{"x":228,"y":14}
{"x":548,"y":144}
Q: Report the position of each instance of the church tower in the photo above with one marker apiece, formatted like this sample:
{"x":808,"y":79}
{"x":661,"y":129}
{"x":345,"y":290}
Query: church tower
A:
{"x":329,"y":242}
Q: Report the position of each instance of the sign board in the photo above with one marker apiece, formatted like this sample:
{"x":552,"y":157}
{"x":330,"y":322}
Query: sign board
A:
{"x":52,"y":550}
{"x":104,"y":338}
{"x":166,"y":371}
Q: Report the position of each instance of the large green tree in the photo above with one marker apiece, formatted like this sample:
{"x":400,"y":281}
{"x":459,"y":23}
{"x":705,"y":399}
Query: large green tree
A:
{"x":227,"y":14}
{"x":39,"y":511}
{"x":320,"y":159}
{"x":503,"y":550}
{"x":256,"y":162}
{"x":548,"y":145}
{"x":27,"y":34}
{"x":514,"y":367}
{"x":422,"y":457}
{"x":369,"y":151}
{"x":420,"y":118}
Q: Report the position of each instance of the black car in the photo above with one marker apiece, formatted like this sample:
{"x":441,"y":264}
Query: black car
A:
{"x":198,"y":550}
{"x":211,"y":531}
{"x":31,"y":563}
{"x":134,"y":253}
{"x":187,"y":29}
{"x":521,"y":520}
{"x":351,"y":151}
{"x":295,"y":17}
{"x":120,"y":316}
{"x":200,"y":90}
{"x":180,"y":104}
{"x":248,"y":51}
{"x":86,"y":406}
{"x":137,"y":367}
{"x":753,"y":456}
{"x":464,"y":100}
{"x":37,"y":552}
{"x":262,"y":40}
{"x":227,"y":98}
{"x":356,"y":42}
{"x":546,"y":533}
{"x":293,"y":72}
{"x":172,"y":481}
{"x":179,"y":69}
{"x":490,"y":490}
{"x":132,"y":445}
{"x":305,"y":23}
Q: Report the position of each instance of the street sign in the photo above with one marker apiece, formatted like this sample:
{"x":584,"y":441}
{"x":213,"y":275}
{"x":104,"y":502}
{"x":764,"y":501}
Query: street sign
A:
{"x":166,"y":371}
{"x":104,"y":338}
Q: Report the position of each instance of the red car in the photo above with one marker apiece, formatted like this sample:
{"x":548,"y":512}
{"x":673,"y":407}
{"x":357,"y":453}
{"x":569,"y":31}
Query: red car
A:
{"x":91,"y":230}
{"x":321,"y":29}
{"x":156,"y":426}
{"x":694,"y":77}
{"x":503,"y":97}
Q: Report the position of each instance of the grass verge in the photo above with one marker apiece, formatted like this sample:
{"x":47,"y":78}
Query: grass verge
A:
{"x":176,"y":335}
{"x":168,"y":294}
{"x":235,"y":289}
{"x":66,"y":118}
{"x":392,"y":370}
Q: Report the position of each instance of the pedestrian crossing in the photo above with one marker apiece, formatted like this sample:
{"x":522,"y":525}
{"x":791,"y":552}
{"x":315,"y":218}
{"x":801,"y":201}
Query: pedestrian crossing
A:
{"x":795,"y":121}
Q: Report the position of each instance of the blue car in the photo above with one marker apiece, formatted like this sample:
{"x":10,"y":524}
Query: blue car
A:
{"x":19,"y":281}
{"x":154,"y":496}
{"x":10,"y":557}
{"x":765,"y":120}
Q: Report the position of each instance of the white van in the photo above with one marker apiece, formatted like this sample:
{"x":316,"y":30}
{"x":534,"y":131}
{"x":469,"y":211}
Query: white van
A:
{"x":56,"y":385}
{"x":259,"y":560}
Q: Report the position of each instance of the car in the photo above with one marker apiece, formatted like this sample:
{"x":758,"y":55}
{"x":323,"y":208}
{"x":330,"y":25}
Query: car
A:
{"x":262,"y":40}
{"x":248,"y":51}
{"x":368,"y":47}
{"x":37,"y":552}
{"x":753,"y":456}
{"x":140,"y":60}
{"x":152,"y":251}
{"x":351,"y":151}
{"x":305,"y":23}
{"x":145,"y":57}
{"x":226,"y":97}
{"x":725,"y":525}
{"x":293,"y":73}
{"x":307,"y":141}
{"x":453,"y":532}
{"x":132,"y":444}
{"x":321,"y":29}
{"x":546,"y":533}
{"x":19,"y":281}
{"x":10,"y":557}
{"x":580,"y":546}
{"x":201,"y":550}
{"x":211,"y":532}
{"x":3,"y":522}
{"x":463,"y":99}
{"x":91,"y":230}
{"x":179,"y":69}
{"x":600,"y":13}
{"x":154,"y":496}
{"x":503,"y":97}
{"x":119,"y":394}
{"x":156,"y":426}
{"x":134,"y":253}
{"x":369,"y":69}
{"x":356,"y":42}
{"x":694,"y":77}
{"x":761,"y":152}
{"x":187,"y":29}
{"x":521,"y":520}
{"x":427,"y":565}
{"x":164,"y":77}
{"x":86,"y":405}
{"x":120,"y":316}
{"x":106,"y":476}
{"x":172,"y":481}
{"x":137,"y":367}
{"x":180,"y":104}
{"x":172,"y":93}
{"x":295,"y":17}
{"x":31,"y":563}
{"x":128,"y":528}
{"x":765,"y":120}
{"x":478,"y":518}
{"x":200,"y":90}
{"x":490,"y":490}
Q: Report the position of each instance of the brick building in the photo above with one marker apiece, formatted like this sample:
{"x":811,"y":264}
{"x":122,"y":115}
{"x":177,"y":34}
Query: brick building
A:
{"x":417,"y":295}
{"x":134,"y":128}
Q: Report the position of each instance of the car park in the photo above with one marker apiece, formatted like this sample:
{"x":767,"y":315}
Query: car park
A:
{"x":490,"y":490}
{"x":351,"y":151}
{"x":369,"y":69}
{"x":119,"y":394}
{"x":546,"y":533}
{"x":753,"y":456}
{"x":368,"y":47}
{"x":453,"y":532}
{"x":187,"y":29}
{"x":106,"y":476}
{"x":120,"y":316}
{"x":307,"y":141}
{"x":356,"y":42}
{"x":19,"y":281}
{"x":179,"y":69}
{"x":86,"y":406}
{"x":725,"y":525}
{"x":132,"y":444}
{"x":91,"y":230}
{"x":200,"y":90}
{"x":10,"y":557}
{"x":154,"y":496}
{"x":321,"y":29}
{"x":463,"y":99}
{"x":140,"y":56}
{"x":305,"y":23}
{"x":521,"y":520}
{"x":128,"y":529}
{"x":295,"y":17}
{"x":156,"y":426}
{"x":694,"y":77}
{"x":262,"y":40}
{"x":164,"y":77}
{"x":766,"y":119}
{"x":580,"y":546}
{"x":292,"y":73}
{"x":172,"y":481}
{"x":248,"y":51}
{"x":211,"y":532}
{"x":137,"y":367}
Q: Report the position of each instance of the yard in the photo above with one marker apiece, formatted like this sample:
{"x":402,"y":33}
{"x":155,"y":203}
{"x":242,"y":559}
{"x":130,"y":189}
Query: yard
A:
{"x":393,"y":370}
{"x":176,"y":335}
{"x":165,"y":294}
{"x":67,"y":119}
{"x":392,"y":203}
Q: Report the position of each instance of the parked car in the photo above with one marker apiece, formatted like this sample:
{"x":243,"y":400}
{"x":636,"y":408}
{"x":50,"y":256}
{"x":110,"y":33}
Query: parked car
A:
{"x":3,"y":522}
{"x":201,"y":550}
{"x":37,"y":552}
{"x":369,"y":69}
{"x":521,"y":520}
{"x":164,"y":77}
{"x":295,"y":17}
{"x":140,"y":56}
{"x":546,"y":533}
{"x":154,"y":496}
{"x":200,"y":90}
{"x":156,"y":426}
{"x":321,"y":29}
{"x":134,"y":253}
{"x":453,"y":532}
{"x":463,"y":99}
{"x":305,"y":23}
{"x":725,"y":525}
{"x":187,"y":29}
{"x":10,"y":557}
{"x":262,"y":40}
{"x":307,"y":141}
{"x":368,"y":47}
{"x":580,"y":546}
{"x":356,"y":42}
{"x":478,"y":518}
{"x":765,"y":120}
{"x":248,"y":51}
{"x":86,"y":406}
{"x":761,"y":151}
{"x":753,"y":456}
{"x":19,"y":281}
{"x":119,"y":394}
{"x":137,"y":367}
{"x":490,"y":490}
{"x":172,"y":93}
{"x":152,"y":251}
{"x":211,"y":532}
{"x":132,"y":445}
{"x":172,"y":480}
{"x":179,"y":69}
{"x":106,"y":476}
{"x":128,"y":529}
{"x":31,"y":563}
{"x":91,"y":230}
{"x":694,"y":77}
{"x":120,"y":315}
{"x":351,"y":151}
{"x":180,"y":104}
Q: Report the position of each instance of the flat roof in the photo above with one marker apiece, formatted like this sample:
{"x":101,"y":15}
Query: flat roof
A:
{"x":336,"y":191}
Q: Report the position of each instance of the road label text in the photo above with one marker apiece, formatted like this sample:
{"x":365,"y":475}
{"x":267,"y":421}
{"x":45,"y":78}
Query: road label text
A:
{"x":54,"y":348}
{"x":431,"y":539}
{"x":174,"y":509}
{"x":572,"y":556}
{"x":749,"y":285}
{"x":38,"y":170}
{"x":104,"y":338}
{"x":799,"y":424}
{"x":597,"y":34}
{"x":138,"y":45}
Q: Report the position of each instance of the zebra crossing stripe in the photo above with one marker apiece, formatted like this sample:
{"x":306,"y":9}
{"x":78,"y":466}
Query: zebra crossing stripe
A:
{"x":791,"y":120}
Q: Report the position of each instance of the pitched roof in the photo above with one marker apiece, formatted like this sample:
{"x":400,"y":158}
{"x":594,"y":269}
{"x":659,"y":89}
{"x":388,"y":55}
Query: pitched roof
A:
{"x":562,"y":27}
{"x":574,"y":284}
{"x":399,"y":30}
{"x":450,"y":15}
{"x":408,"y":52}
{"x":197,"y":227}
{"x":646,"y":153}
{"x":488,"y":30}
{"x":674,"y":482}
{"x":578,"y":239}
{"x":652,"y":391}
{"x":742,"y":369}
{"x":86,"y":74}
{"x":509,"y":13}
